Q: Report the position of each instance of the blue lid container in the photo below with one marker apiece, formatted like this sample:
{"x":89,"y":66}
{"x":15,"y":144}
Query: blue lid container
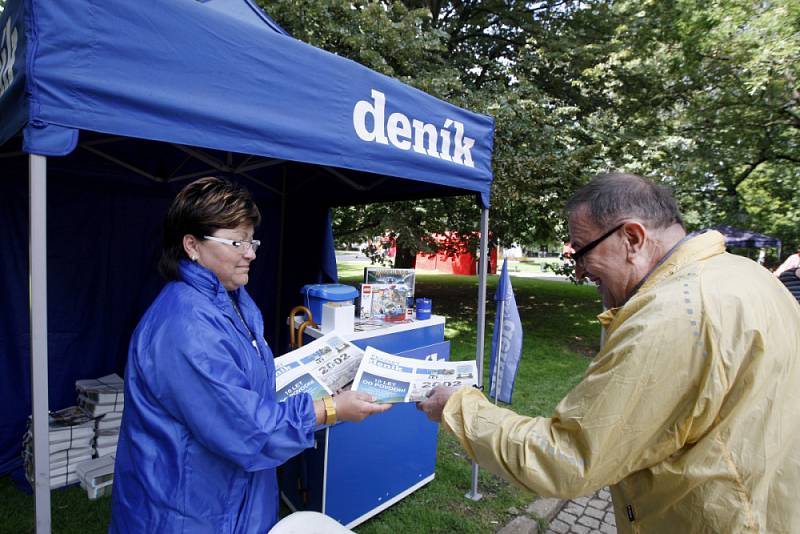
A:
{"x":423,"y":308}
{"x":315,"y":295}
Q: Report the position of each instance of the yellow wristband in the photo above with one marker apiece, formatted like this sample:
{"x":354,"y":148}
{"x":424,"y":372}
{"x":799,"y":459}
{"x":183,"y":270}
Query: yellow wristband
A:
{"x":330,"y":410}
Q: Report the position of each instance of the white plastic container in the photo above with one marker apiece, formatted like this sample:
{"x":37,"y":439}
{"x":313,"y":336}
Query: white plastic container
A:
{"x":338,"y":317}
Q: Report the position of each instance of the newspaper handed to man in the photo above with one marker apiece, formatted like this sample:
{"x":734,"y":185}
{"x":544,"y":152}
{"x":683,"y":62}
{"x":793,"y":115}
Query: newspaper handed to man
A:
{"x":320,"y":368}
{"x":391,"y":378}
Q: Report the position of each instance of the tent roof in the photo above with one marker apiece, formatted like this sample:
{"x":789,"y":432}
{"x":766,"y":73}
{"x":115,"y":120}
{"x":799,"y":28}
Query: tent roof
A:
{"x":220,"y":75}
{"x":737,"y":237}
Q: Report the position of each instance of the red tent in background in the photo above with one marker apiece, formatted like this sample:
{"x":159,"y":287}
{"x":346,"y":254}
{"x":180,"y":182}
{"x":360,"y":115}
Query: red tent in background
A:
{"x":453,"y":257}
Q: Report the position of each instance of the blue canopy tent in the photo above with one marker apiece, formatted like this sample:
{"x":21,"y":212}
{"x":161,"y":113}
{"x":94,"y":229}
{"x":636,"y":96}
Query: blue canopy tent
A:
{"x":108,"y":108}
{"x":738,"y":237}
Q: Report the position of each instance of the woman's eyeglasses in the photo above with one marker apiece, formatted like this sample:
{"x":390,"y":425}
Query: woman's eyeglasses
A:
{"x":242,"y":246}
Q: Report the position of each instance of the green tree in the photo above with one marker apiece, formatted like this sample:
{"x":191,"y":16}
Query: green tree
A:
{"x":465,"y":53}
{"x":703,"y":96}
{"x":706,"y":97}
{"x":399,"y":41}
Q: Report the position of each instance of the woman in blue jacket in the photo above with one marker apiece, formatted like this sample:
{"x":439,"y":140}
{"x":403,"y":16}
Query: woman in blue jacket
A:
{"x":202,"y":434}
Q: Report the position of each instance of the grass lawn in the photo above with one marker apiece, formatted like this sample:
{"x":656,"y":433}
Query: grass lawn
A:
{"x":522,"y":265}
{"x":560,"y":334}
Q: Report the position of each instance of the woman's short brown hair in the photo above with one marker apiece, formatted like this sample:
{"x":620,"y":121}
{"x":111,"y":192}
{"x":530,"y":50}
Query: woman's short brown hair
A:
{"x":201,"y":208}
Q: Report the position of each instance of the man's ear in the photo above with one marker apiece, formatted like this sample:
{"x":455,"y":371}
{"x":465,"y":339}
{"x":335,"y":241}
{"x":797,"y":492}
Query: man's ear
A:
{"x":190,"y":247}
{"x":635,"y":236}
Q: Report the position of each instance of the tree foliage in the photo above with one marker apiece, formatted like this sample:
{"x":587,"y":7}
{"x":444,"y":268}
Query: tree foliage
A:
{"x":705,"y":97}
{"x":701,"y":95}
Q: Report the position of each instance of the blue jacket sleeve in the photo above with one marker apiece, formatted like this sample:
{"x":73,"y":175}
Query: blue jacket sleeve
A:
{"x":198,"y":379}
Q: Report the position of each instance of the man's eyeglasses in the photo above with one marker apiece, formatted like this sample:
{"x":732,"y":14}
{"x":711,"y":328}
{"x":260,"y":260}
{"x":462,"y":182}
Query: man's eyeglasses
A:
{"x":578,"y":255}
{"x":242,"y":246}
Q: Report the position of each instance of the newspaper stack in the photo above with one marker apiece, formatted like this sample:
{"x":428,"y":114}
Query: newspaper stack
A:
{"x":104,"y":398}
{"x":96,"y":476}
{"x":70,"y":437}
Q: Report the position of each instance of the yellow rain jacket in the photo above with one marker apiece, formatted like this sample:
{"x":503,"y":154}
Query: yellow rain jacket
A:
{"x":689,"y":412}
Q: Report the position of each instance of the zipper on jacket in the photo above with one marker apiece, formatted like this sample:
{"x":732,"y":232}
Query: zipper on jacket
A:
{"x":247,"y":329}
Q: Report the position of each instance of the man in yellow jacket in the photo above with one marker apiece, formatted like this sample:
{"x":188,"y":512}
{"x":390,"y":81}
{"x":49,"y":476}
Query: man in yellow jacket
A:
{"x":689,"y":411}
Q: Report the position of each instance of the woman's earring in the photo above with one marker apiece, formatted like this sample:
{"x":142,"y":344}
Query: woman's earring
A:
{"x":194,"y":258}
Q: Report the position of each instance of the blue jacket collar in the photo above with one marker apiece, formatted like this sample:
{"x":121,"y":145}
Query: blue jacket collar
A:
{"x":205,"y":281}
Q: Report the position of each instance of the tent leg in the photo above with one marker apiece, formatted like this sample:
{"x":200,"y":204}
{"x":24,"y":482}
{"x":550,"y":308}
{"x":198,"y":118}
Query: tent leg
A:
{"x":38,"y":317}
{"x":276,"y":313}
{"x":482,"y":269}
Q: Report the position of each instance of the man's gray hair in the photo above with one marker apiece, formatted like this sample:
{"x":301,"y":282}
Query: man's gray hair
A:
{"x":611,"y":198}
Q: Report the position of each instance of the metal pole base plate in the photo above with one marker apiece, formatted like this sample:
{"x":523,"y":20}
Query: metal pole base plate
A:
{"x":473,"y":496}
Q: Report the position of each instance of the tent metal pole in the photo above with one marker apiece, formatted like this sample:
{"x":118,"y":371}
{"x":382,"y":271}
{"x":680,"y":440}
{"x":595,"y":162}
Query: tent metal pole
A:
{"x":38,"y":317}
{"x":279,"y":275}
{"x":482,"y":269}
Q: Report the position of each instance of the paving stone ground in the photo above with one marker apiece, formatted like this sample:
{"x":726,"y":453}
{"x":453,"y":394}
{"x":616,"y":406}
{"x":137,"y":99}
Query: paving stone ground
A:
{"x":591,"y":514}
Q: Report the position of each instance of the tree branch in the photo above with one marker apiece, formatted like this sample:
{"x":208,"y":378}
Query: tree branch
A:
{"x":786,"y":157}
{"x":748,"y":171}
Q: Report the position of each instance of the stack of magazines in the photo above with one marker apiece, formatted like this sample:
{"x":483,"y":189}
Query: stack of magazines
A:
{"x":70,"y":439}
{"x":96,"y":476}
{"x":104,"y":398}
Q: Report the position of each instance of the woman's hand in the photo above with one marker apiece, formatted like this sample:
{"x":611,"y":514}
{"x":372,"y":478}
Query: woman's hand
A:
{"x":356,"y":406}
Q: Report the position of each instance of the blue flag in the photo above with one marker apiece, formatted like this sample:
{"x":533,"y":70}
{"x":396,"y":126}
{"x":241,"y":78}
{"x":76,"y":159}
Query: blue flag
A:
{"x":506,"y":340}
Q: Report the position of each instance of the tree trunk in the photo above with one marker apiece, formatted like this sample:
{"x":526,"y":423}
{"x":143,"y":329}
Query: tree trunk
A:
{"x":405,"y":256}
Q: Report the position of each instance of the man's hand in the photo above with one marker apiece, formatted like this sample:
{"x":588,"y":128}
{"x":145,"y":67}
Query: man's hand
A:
{"x":434,"y":404}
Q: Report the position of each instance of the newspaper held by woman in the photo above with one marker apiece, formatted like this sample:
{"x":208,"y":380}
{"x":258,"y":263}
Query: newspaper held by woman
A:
{"x":320,"y":368}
